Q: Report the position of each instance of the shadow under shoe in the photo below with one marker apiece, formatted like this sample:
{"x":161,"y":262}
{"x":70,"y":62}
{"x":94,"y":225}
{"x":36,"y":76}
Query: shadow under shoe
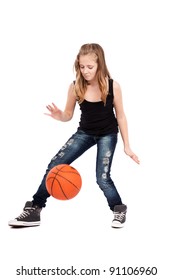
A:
{"x":119,"y":216}
{"x":29,"y":217}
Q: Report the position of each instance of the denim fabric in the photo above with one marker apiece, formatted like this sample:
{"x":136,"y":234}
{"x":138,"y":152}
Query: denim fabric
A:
{"x":74,"y":148}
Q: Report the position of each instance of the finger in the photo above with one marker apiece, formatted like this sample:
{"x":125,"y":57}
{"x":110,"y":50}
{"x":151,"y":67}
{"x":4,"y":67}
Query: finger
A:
{"x":50,"y":115}
{"x":135,"y":158}
{"x":55,"y":107}
{"x":49,"y":108}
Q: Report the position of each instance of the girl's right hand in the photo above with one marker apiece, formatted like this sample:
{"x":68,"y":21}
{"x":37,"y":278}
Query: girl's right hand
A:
{"x":55,"y":113}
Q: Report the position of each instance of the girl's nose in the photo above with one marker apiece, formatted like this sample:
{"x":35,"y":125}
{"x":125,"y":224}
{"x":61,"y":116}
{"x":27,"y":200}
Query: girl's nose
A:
{"x":85,"y":70}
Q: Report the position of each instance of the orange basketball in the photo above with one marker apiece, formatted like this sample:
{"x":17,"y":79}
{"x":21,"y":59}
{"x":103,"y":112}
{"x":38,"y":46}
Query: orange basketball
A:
{"x":63,"y":182}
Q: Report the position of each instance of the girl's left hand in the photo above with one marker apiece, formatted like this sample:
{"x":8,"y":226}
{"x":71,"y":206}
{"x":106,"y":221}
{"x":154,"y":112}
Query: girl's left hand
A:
{"x":129,"y":153}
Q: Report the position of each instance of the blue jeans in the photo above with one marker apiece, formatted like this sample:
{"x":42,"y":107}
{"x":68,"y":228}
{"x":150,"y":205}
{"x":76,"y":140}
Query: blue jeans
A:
{"x":74,"y":148}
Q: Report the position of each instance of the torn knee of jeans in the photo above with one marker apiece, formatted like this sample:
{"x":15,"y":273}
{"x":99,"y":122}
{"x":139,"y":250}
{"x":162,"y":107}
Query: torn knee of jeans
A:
{"x":106,"y":158}
{"x":106,"y":169}
{"x":108,"y":154}
{"x":64,"y":147}
{"x":106,"y":161}
{"x":61,"y":154}
{"x":104,"y":175}
{"x":70,"y":142}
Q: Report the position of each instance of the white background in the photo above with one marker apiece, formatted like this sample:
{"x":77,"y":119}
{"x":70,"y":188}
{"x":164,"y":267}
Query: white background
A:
{"x":39,"y":43}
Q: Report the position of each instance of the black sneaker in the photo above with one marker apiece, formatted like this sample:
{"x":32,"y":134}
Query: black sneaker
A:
{"x":119,"y":216}
{"x":28,"y":218}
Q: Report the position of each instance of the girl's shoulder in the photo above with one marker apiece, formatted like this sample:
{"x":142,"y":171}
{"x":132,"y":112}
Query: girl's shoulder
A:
{"x":115,"y":83}
{"x":114,"y":86}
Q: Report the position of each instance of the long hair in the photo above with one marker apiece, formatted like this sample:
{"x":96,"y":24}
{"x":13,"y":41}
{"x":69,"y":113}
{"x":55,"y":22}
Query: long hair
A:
{"x":102,"y":72}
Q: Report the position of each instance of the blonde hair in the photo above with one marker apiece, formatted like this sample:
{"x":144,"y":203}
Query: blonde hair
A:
{"x":102,"y":72}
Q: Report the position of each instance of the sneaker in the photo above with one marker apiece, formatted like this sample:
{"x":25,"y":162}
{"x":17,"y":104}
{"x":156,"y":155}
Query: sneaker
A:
{"x":28,"y":218}
{"x":119,"y":216}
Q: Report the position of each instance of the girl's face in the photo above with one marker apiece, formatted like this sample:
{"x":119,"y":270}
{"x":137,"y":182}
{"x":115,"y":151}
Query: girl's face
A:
{"x":88,"y":66}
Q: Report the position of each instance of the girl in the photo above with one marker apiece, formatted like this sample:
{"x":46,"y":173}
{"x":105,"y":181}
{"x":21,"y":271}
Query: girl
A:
{"x":102,"y":117}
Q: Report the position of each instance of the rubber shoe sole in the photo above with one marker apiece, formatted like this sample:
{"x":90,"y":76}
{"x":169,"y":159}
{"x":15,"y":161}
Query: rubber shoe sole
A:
{"x":15,"y":223}
{"x":116,"y":224}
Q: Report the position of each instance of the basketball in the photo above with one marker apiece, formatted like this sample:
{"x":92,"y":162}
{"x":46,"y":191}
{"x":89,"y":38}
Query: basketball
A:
{"x":63,"y":182}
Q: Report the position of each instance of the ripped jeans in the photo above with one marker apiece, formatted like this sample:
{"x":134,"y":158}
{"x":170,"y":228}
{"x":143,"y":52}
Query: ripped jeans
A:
{"x":74,"y":148}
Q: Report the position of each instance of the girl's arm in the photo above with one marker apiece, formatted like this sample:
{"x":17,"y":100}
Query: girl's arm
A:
{"x":122,"y":121}
{"x":67,"y":114}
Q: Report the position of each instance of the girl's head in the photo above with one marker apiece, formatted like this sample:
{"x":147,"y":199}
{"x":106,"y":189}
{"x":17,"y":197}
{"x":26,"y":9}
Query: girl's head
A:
{"x":90,"y":65}
{"x":93,"y":53}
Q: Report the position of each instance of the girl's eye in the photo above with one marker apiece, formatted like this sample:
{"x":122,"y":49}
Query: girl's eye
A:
{"x":89,"y":67}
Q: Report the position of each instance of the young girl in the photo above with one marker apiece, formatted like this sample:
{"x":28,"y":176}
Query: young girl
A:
{"x":102,"y":116}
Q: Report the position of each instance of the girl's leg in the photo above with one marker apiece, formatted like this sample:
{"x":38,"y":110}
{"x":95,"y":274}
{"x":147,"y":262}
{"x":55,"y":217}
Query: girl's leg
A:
{"x":74,"y":147}
{"x":105,"y":151}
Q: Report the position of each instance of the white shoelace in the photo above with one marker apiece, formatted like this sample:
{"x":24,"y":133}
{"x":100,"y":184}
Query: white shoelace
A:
{"x":24,"y":214}
{"x":119,"y":216}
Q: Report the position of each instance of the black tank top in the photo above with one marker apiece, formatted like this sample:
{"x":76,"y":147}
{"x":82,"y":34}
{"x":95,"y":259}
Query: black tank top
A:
{"x":99,"y":119}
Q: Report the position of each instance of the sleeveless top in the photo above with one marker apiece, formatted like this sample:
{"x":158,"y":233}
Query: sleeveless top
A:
{"x":99,"y":119}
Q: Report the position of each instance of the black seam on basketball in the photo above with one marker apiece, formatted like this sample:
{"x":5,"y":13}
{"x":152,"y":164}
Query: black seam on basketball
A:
{"x":73,"y":170}
{"x":60,"y":169}
{"x":69,"y":181}
{"x":55,"y":179}
{"x":57,"y":170}
{"x":54,"y":173}
{"x":51,"y":187}
{"x":69,"y":171}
